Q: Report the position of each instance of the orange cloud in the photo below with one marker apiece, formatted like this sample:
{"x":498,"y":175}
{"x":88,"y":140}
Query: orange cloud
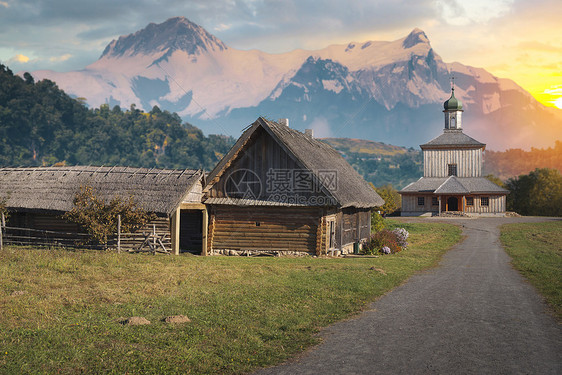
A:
{"x":19,"y":58}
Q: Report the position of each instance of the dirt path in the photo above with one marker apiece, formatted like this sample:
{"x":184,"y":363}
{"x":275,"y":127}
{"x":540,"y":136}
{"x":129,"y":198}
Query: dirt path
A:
{"x":474,"y":314}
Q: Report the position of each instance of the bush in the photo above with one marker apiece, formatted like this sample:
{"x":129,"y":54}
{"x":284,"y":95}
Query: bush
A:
{"x":387,"y":242}
{"x":99,"y":218}
{"x":401,"y":237}
{"x":377,"y":222}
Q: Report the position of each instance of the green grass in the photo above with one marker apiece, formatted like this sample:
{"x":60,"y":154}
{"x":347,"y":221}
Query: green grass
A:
{"x":536,"y":251}
{"x":246,"y":312}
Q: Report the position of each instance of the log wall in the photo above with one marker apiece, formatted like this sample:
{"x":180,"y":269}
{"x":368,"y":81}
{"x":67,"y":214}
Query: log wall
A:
{"x":265,"y":229}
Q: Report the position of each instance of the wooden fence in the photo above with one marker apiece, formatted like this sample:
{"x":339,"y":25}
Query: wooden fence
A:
{"x":148,"y":239}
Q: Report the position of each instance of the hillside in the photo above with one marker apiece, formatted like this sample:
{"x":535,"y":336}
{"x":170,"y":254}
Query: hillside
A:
{"x":388,"y":91}
{"x":379,"y":163}
{"x":515,"y":162}
{"x":364,"y":147}
{"x":41,"y":125}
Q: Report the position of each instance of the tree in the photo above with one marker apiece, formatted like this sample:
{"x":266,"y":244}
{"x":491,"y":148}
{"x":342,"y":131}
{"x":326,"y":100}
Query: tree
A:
{"x":496,"y":180}
{"x":99,"y":218}
{"x":538,"y":193}
{"x":390,"y":196}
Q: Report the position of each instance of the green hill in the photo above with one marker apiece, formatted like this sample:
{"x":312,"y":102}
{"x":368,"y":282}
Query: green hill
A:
{"x":41,"y":125}
{"x":380,"y":163}
{"x":364,"y":147}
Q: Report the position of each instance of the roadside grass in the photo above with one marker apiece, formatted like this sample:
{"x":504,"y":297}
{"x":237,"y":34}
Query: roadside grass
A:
{"x":246,"y":313}
{"x":536,"y":251}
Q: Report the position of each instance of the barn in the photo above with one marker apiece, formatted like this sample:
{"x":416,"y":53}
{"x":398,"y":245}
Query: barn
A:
{"x":37,"y":198}
{"x":282,"y":192}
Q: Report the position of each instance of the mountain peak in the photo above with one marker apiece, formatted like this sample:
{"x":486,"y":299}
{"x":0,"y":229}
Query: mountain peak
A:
{"x":415,"y":37}
{"x":177,"y":33}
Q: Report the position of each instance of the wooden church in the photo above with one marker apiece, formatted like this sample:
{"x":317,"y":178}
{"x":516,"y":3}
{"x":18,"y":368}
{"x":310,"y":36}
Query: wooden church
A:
{"x":452,"y":174}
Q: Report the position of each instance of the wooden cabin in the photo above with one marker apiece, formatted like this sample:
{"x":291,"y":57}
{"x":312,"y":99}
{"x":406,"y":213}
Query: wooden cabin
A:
{"x":452,"y":174}
{"x":282,"y":192}
{"x":38,"y":197}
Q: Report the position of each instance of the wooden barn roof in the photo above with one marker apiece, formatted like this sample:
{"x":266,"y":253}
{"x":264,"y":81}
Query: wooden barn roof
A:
{"x":54,"y":188}
{"x":351,"y":189}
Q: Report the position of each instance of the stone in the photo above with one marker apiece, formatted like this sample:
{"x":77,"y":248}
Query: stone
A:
{"x":177,"y":319}
{"x":136,"y":321}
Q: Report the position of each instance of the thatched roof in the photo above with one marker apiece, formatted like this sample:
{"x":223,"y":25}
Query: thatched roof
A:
{"x":54,"y":188}
{"x":351,"y":189}
{"x":452,"y":138}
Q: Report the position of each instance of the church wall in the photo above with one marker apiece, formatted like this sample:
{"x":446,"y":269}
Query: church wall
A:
{"x":410,"y":204}
{"x":469,"y":162}
{"x":496,"y":204}
{"x":410,"y":207}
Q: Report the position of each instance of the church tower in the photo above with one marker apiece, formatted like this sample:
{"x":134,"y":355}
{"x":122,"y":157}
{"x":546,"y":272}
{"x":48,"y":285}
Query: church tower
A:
{"x":453,"y":112}
{"x":452,"y":174}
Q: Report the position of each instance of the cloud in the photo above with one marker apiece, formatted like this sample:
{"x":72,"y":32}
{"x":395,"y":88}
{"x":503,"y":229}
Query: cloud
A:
{"x":4,"y":4}
{"x":19,"y":58}
{"x":64,"y":57}
{"x":222,"y":27}
{"x":321,"y":128}
{"x":555,"y":90}
{"x":462,"y":13}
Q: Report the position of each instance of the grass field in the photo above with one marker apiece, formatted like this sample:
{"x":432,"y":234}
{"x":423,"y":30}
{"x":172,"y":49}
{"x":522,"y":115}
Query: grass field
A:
{"x":60,"y":311}
{"x":536,"y":250}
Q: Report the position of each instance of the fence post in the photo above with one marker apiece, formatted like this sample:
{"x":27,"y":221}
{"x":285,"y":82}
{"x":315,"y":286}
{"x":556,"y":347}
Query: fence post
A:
{"x":118,"y":234}
{"x":154,"y":237}
{"x":2,"y":225}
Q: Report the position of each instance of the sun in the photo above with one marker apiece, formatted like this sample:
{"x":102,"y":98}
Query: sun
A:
{"x":558,"y":102}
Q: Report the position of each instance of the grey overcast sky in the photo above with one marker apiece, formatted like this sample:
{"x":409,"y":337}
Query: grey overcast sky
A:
{"x":517,"y":39}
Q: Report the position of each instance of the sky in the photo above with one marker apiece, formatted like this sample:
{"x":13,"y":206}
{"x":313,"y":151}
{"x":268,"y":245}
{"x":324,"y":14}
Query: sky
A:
{"x":516,"y":39}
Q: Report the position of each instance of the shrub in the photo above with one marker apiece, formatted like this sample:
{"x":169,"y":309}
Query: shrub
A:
{"x":383,"y":238}
{"x":401,"y":237}
{"x":377,"y":222}
{"x":387,"y":242}
{"x":99,"y":218}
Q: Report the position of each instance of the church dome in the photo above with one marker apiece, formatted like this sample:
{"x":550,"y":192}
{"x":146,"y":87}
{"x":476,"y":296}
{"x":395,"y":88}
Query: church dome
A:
{"x":452,"y":103}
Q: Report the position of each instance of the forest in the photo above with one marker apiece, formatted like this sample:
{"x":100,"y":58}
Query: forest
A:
{"x":41,"y":125}
{"x":515,"y":162}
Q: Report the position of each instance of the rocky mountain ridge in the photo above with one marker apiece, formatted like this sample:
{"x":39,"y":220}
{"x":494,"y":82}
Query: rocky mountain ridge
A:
{"x":383,"y":91}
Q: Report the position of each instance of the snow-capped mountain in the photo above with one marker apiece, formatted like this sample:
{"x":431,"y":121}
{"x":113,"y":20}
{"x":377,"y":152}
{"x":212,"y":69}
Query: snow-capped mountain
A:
{"x":384,"y":91}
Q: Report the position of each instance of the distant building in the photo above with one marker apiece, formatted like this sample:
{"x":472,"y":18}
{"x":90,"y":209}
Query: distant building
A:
{"x":452,"y":174}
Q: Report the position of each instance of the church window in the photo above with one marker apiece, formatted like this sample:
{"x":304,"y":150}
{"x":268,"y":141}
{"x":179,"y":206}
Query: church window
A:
{"x":485,"y":201}
{"x":469,"y":201}
{"x":421,"y":201}
{"x":452,"y":169}
{"x":434,"y":201}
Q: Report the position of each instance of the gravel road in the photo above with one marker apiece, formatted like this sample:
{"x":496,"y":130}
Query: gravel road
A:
{"x":474,"y":314}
